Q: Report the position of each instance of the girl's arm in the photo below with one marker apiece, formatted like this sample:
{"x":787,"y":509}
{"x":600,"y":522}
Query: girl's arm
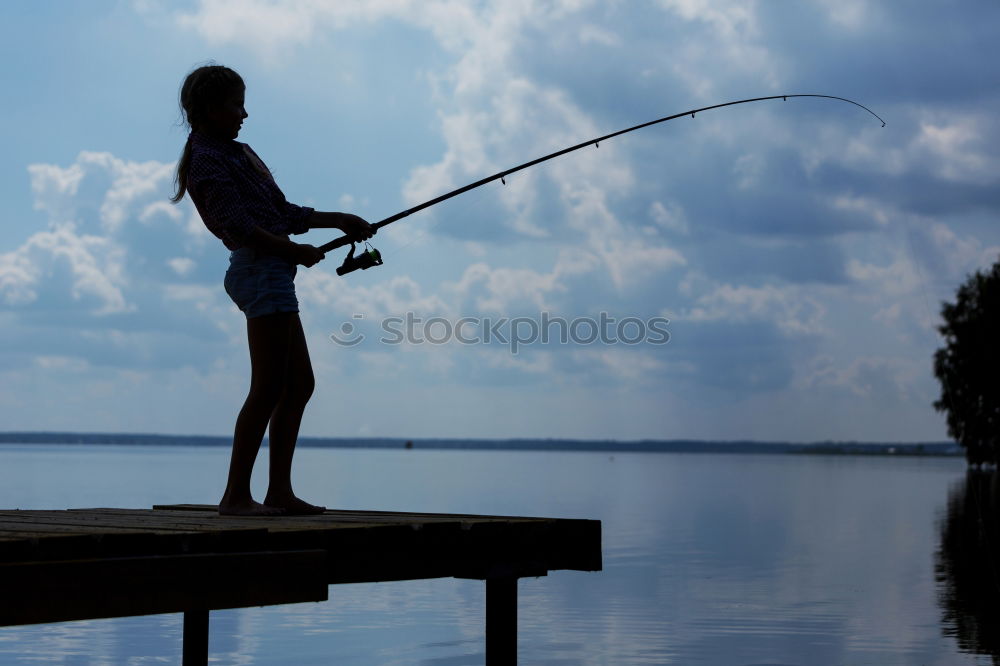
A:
{"x":302,"y":253}
{"x":297,"y":253}
{"x":352,"y":225}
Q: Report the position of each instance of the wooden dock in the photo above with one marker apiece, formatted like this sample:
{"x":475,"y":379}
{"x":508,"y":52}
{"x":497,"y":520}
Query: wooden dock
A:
{"x":79,"y":564}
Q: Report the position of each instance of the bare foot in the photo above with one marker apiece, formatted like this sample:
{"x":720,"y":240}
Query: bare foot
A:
{"x":250,"y":508}
{"x":293,"y":506}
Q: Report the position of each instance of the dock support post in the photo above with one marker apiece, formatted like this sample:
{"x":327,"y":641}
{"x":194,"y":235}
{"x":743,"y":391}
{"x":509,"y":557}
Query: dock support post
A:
{"x":501,"y":621}
{"x":195,"y":638}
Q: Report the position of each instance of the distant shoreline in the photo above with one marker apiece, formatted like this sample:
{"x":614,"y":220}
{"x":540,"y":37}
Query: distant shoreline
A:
{"x":937,"y":449}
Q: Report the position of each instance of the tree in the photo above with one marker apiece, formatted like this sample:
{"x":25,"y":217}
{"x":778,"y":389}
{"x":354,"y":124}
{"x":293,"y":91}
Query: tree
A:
{"x":968,"y":367}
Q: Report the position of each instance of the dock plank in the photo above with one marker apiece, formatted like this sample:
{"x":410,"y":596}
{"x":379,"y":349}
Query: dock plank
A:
{"x":357,"y":546}
{"x":43,"y":528}
{"x":346,"y":518}
{"x":271,"y":523}
{"x":366,"y":512}
{"x":130,"y":519}
{"x":92,"y":524}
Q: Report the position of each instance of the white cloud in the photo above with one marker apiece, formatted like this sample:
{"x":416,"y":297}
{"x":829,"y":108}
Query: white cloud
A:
{"x":791,"y":308}
{"x":960,"y":254}
{"x":165,"y":208}
{"x":497,"y":290}
{"x":181,"y":265}
{"x":53,"y":186}
{"x":625,"y":364}
{"x":94,"y":250}
{"x":897,"y":277}
{"x":319,"y":289}
{"x":131,"y":181}
{"x":203,"y":296}
{"x":943,"y":259}
{"x":18,"y":277}
{"x":850,"y":14}
{"x":272,"y":29}
{"x":481,"y":289}
{"x":62,"y":363}
{"x":748,"y":169}
{"x":875,"y":378}
{"x":595,"y":34}
{"x":954,"y":148}
{"x":495,"y":112}
{"x":670,"y":216}
{"x":871,"y":207}
{"x":733,"y":43}
{"x":57,"y":189}
{"x":95,"y":265}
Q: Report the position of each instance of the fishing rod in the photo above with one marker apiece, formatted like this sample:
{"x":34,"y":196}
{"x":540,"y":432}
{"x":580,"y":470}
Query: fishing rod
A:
{"x":371,"y":257}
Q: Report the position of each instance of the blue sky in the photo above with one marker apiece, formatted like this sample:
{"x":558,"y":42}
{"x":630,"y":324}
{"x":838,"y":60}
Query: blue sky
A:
{"x":798,"y":249}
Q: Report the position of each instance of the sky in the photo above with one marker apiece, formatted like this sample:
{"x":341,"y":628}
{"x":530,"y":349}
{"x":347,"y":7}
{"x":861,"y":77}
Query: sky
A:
{"x":769,"y":271}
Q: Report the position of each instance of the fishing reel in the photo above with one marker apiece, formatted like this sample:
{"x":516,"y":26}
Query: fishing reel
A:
{"x":368,"y":258}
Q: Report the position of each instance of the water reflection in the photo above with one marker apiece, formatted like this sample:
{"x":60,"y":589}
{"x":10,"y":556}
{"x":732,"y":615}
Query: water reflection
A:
{"x":717,"y":560}
{"x":967,"y":565}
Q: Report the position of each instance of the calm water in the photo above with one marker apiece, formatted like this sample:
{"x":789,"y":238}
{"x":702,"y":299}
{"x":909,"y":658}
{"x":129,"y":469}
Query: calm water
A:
{"x":708,"y":559}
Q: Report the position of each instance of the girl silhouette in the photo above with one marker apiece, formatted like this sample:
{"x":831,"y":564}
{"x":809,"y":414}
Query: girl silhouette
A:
{"x":241,"y":204}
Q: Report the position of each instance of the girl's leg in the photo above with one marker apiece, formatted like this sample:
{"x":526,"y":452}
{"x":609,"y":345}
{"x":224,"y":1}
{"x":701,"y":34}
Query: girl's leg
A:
{"x":285,"y":420}
{"x":268,"y":337}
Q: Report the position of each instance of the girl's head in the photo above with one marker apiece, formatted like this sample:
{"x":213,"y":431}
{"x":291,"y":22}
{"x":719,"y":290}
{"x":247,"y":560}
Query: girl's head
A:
{"x":212,"y":101}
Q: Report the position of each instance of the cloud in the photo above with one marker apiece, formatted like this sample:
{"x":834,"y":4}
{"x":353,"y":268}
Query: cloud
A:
{"x":18,"y":277}
{"x":851,"y":14}
{"x":954,"y":148}
{"x":118,"y":277}
{"x":100,"y":209}
{"x":502,"y":290}
{"x":793,"y":310}
{"x":493,"y":115}
{"x":181,"y":265}
{"x":948,"y":146}
{"x":625,"y":364}
{"x":772,"y":235}
{"x":57,"y":190}
{"x":883,"y":379}
{"x":670,"y":216}
{"x":727,"y":36}
{"x":95,"y":267}
{"x":274,"y":30}
{"x":269,"y":26}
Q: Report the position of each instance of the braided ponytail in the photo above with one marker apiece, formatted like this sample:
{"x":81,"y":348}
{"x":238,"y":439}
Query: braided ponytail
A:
{"x":204,"y":87}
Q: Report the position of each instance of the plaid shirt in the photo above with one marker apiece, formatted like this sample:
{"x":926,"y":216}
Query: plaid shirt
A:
{"x":233,"y":191}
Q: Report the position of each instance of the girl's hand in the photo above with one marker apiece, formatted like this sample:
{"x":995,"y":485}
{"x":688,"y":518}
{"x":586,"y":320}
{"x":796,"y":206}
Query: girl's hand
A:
{"x":307,"y":255}
{"x":355,"y":227}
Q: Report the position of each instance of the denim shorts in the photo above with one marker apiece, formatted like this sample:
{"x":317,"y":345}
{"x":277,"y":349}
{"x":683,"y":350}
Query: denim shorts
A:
{"x":261,"y":284}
